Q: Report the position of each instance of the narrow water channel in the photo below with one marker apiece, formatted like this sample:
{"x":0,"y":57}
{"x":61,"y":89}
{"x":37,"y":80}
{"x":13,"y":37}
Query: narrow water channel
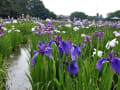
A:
{"x":18,"y":66}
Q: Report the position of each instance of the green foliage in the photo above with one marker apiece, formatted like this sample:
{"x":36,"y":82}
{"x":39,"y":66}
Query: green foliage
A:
{"x":45,"y":76}
{"x":2,"y":74}
{"x":50,"y":74}
{"x":7,"y":8}
{"x":114,"y":14}
{"x":78,"y":15}
{"x":9,"y":42}
{"x":92,"y":18}
{"x":17,"y":7}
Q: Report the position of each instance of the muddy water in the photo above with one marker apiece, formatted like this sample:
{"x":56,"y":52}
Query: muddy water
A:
{"x":17,"y":69}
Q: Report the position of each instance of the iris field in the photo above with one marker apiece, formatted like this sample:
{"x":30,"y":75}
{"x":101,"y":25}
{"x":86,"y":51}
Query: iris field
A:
{"x":65,"y":56}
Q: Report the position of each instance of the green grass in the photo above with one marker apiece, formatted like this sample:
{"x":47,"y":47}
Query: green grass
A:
{"x":9,"y":42}
{"x":44,"y":76}
{"x":50,"y":74}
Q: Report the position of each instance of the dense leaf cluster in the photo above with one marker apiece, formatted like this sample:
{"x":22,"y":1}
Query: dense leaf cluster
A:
{"x":78,"y":15}
{"x":114,"y":14}
{"x":82,"y":15}
{"x":17,"y":7}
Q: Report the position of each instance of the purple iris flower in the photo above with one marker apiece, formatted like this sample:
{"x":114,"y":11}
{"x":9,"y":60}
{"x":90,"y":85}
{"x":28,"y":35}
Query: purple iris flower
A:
{"x":72,"y":68}
{"x":1,"y":25}
{"x":75,"y":51}
{"x":99,"y":37}
{"x":87,"y":37}
{"x":103,"y":25}
{"x":58,"y":37}
{"x":1,"y":33}
{"x":113,"y":60}
{"x":81,"y":44}
{"x":50,"y":32}
{"x":44,"y":28}
{"x":38,"y":32}
{"x":118,"y":27}
{"x":44,"y":49}
{"x":1,"y":29}
{"x":70,"y":49}
{"x":50,"y":25}
{"x":99,"y":34}
{"x":66,"y":46}
{"x":38,"y":27}
{"x":57,"y":42}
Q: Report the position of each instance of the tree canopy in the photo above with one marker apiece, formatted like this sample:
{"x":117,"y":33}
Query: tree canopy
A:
{"x":114,"y":14}
{"x":18,"y":7}
{"x":78,"y":15}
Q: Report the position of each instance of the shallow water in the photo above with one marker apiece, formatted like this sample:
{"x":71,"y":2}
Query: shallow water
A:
{"x":18,"y":66}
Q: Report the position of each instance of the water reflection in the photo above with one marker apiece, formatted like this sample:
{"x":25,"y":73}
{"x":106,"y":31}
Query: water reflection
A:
{"x":18,"y":66}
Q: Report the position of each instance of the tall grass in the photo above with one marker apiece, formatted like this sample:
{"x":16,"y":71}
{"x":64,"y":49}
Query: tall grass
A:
{"x":10,"y":41}
{"x":51,"y":74}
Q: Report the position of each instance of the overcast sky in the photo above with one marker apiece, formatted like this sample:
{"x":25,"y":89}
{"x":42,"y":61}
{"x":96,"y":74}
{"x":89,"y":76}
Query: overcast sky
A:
{"x":90,"y":7}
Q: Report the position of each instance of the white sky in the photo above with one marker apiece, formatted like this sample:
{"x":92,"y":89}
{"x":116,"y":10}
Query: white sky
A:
{"x":90,"y":7}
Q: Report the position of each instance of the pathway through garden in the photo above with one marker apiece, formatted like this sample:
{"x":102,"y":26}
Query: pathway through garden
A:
{"x":18,"y":66}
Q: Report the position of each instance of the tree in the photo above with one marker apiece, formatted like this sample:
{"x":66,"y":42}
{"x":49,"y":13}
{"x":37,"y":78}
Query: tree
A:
{"x":92,"y":18}
{"x":113,"y":14}
{"x":38,"y":9}
{"x":78,"y":15}
{"x":6,"y":8}
{"x":18,"y":7}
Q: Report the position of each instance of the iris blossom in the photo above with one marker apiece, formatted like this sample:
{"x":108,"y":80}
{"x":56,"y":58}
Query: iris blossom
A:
{"x":76,"y":29}
{"x":113,"y":60}
{"x":117,"y":26}
{"x":112,"y":43}
{"x":66,"y":47}
{"x":87,"y":37}
{"x":44,"y":28}
{"x":57,"y":42}
{"x":58,"y":39}
{"x":98,"y":52}
{"x":44,"y":49}
{"x":81,"y":44}
{"x":38,"y":27}
{"x":70,"y":50}
{"x":50,"y":25}
{"x":117,"y":34}
{"x":72,"y":68}
{"x":1,"y":29}
{"x":99,"y":34}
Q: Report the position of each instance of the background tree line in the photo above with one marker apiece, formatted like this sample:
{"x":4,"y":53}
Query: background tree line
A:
{"x":34,"y":8}
{"x":113,"y":14}
{"x":14,"y":8}
{"x":82,"y":15}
